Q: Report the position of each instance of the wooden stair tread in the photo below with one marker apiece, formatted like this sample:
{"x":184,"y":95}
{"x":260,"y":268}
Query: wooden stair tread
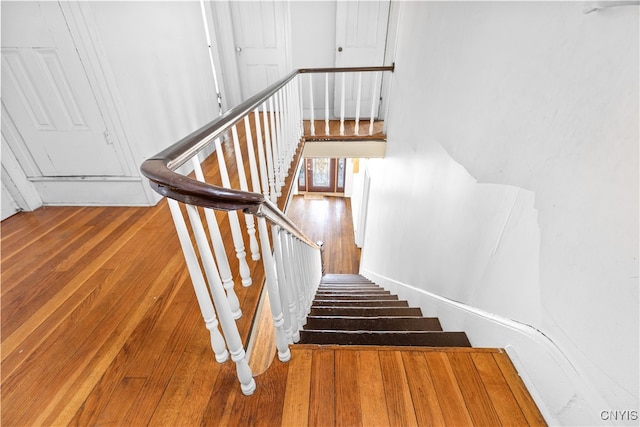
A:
{"x":337,"y":287}
{"x":373,"y":323}
{"x":403,"y":338}
{"x":366,"y":311}
{"x":359,"y":297}
{"x":352,"y":310}
{"x":322,"y":292}
{"x":360,"y":303}
{"x":343,"y":278}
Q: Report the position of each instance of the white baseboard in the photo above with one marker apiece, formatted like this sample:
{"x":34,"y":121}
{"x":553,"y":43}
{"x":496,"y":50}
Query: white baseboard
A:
{"x":98,"y":191}
{"x":562,"y":394}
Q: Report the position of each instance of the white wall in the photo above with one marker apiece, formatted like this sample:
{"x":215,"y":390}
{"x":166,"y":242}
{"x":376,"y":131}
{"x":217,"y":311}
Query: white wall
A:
{"x":513,"y":148}
{"x":158,"y":54}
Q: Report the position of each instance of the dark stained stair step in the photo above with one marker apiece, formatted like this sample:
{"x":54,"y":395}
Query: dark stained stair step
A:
{"x":366,"y":311}
{"x":351,"y":323}
{"x":361,"y":303}
{"x":428,"y":339}
{"x":344,"y":278}
{"x":338,"y":288}
{"x":352,"y":291}
{"x":357,"y":297}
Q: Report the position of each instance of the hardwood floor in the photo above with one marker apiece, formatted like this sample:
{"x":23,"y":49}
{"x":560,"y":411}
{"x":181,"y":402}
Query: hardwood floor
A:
{"x":329,"y":219}
{"x":100,"y":326}
{"x":403,"y":386}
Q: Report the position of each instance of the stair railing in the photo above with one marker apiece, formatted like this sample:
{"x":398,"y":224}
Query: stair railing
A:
{"x":267,"y":131}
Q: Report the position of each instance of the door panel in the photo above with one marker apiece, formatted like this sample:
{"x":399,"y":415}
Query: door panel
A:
{"x":361,"y":36}
{"x":322,"y":175}
{"x":260,"y":37}
{"x":48,"y":97}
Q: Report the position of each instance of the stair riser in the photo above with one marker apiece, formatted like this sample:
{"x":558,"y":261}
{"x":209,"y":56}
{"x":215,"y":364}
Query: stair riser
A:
{"x":353,"y":292}
{"x":373,"y":324}
{"x":363,"y":303}
{"x":361,"y":297}
{"x":368,"y":312}
{"x":344,"y":278}
{"x":429,"y":339}
{"x":348,"y":288}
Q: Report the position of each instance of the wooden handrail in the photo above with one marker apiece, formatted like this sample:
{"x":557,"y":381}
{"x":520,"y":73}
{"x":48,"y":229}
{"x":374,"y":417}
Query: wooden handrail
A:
{"x":160,"y":168}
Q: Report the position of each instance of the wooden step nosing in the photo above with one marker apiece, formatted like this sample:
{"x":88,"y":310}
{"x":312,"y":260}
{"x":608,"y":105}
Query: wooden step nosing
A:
{"x":370,"y":317}
{"x":348,"y":291}
{"x":380,"y":332}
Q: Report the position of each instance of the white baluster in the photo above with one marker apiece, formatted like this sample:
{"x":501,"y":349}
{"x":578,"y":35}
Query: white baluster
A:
{"x":229,"y":328}
{"x":291,"y":120}
{"x":199,"y":285}
{"x":251,"y":227}
{"x":342,"y":93}
{"x":357,"y":125}
{"x":284,"y":282}
{"x":219,"y":249}
{"x":282,"y":342}
{"x":269,"y":153}
{"x":275,"y":146}
{"x":374,"y":100}
{"x":264,"y":176}
{"x":281,"y":141}
{"x":253,"y":166}
{"x":234,"y":222}
{"x":295,"y":270}
{"x":300,"y":110}
{"x":286,"y":137}
{"x":293,"y":293}
{"x":326,"y":104}
{"x":311,"y":108}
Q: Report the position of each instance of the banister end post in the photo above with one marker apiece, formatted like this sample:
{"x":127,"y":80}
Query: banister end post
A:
{"x":321,"y":244}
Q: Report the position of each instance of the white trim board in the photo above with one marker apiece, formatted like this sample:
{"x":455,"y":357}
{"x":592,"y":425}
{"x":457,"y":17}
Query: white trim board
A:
{"x":350,"y":149}
{"x":97,"y":191}
{"x":562,"y":394}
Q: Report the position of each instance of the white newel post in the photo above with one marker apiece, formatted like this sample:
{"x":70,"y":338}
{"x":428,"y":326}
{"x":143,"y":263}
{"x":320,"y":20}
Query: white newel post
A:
{"x":282,"y":342}
{"x":199,"y":285}
{"x":249,"y":221}
{"x":300,"y":111}
{"x":234,"y":222}
{"x":374,"y":101}
{"x":326,"y":104}
{"x":229,"y":327}
{"x":342,"y":93}
{"x":219,"y":249}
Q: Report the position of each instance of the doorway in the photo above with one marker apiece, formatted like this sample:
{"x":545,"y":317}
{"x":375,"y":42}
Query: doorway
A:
{"x":260,"y":31}
{"x":322,"y":175}
{"x":361,"y":40}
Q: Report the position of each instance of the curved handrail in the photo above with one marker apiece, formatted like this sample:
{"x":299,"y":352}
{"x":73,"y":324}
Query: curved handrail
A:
{"x":160,"y":168}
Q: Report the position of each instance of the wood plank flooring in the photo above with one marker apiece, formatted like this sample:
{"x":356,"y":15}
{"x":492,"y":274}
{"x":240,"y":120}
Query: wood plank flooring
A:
{"x":329,"y":219}
{"x":100,"y":326}
{"x":401,"y":386}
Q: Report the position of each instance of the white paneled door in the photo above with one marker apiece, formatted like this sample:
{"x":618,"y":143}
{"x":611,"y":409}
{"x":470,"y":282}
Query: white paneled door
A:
{"x":260,"y":34}
{"x":361,"y":37}
{"x":47,"y":97}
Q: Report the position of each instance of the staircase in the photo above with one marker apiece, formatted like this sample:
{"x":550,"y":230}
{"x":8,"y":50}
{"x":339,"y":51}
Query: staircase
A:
{"x":349,"y":309}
